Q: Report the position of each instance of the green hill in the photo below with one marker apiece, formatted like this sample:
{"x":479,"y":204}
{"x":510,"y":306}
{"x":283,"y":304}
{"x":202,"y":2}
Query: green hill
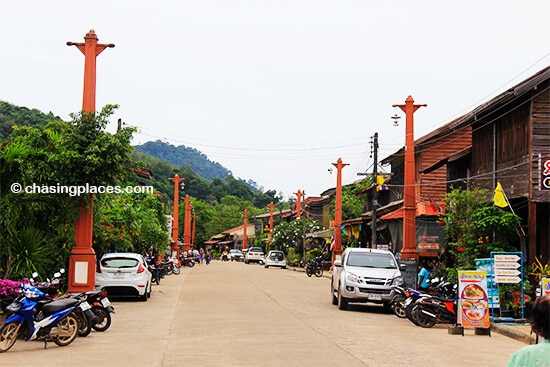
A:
{"x":184,"y":156}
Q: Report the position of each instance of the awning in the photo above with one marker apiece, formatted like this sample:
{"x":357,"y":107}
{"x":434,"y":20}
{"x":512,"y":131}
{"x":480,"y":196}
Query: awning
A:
{"x":421,"y":209}
{"x":211,"y":242}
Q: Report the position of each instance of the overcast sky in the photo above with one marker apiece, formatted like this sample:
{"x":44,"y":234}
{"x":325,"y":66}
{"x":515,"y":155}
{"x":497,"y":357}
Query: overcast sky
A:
{"x":275,"y":91}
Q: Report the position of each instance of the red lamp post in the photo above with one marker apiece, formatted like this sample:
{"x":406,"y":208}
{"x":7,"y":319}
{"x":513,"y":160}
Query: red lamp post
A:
{"x":175,"y":227}
{"x":299,"y":204}
{"x":409,"y":250}
{"x":337,"y":250}
{"x":187,"y":225}
{"x":245,"y":214}
{"x":82,"y":259}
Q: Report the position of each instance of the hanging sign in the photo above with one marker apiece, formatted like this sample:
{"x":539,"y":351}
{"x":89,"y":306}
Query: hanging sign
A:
{"x":473,"y":302}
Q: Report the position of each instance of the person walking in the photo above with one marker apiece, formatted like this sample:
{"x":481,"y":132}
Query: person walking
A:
{"x":536,"y":355}
{"x":201,"y":256}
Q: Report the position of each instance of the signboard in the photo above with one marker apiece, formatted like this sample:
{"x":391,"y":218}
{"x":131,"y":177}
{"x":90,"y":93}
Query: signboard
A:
{"x":545,"y":172}
{"x":409,"y":274}
{"x":473,"y":307}
{"x":492,"y":288}
{"x":544,"y":286}
{"x":506,"y":268}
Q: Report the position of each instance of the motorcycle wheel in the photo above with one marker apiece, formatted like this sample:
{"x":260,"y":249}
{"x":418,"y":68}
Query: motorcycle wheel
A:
{"x":398,"y":310}
{"x":70,"y":325}
{"x":319,"y":272}
{"x":175,"y":269}
{"x":424,"y":320}
{"x":84,"y":323}
{"x":103,"y":318}
{"x":8,"y":335}
{"x":410,"y":313}
{"x":308,"y":272}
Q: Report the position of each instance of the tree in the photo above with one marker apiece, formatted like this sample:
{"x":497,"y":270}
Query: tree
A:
{"x":129,"y":222}
{"x":474,"y":227}
{"x":59,"y":154}
{"x":291,"y":235}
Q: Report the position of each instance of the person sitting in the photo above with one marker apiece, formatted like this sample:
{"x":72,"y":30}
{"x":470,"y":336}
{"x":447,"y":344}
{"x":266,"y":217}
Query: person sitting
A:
{"x":537,"y":354}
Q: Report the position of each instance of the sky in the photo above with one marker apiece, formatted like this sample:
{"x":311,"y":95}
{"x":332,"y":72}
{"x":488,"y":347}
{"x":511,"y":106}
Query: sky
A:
{"x":275,"y":91}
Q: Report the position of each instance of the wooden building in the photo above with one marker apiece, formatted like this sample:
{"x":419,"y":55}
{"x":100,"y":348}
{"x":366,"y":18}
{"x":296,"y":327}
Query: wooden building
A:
{"x":511,"y":145}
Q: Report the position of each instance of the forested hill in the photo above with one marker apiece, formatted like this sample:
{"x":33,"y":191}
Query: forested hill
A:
{"x":184,"y":156}
{"x":11,"y":115}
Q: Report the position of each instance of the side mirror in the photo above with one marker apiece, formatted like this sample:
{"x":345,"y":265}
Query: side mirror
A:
{"x":338,"y":263}
{"x":35,"y":275}
{"x":402,"y":267}
{"x":62,"y":271}
{"x":57,"y":275}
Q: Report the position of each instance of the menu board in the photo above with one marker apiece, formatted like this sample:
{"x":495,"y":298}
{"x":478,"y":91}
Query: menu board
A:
{"x":473,"y":300}
{"x":544,"y":286}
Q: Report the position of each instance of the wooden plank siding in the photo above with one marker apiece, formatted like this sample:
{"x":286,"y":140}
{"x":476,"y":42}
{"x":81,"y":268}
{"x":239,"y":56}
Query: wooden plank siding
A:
{"x":432,"y":150}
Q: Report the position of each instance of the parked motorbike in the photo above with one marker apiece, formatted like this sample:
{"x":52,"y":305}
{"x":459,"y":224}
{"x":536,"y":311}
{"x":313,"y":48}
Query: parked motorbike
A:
{"x":433,"y":310}
{"x":33,"y":315}
{"x":397,"y":303}
{"x":102,"y":309}
{"x":170,"y":265}
{"x":314,"y":267}
{"x":438,"y":288}
{"x":187,"y":261}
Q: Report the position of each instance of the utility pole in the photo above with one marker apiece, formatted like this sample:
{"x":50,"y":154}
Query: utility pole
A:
{"x":375,"y":191}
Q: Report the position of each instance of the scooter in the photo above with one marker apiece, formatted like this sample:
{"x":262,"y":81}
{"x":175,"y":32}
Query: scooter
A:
{"x":33,"y":315}
{"x":433,"y":310}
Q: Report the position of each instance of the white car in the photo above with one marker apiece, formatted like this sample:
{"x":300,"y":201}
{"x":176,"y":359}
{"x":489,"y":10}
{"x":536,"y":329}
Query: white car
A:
{"x":125,"y":274}
{"x":235,"y":255}
{"x":275,"y":258}
{"x":254,"y":254}
{"x":364,"y":275}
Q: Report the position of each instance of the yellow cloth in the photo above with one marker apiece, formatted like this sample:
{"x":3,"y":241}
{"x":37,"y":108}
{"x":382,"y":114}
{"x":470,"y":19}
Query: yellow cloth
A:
{"x":499,"y":198}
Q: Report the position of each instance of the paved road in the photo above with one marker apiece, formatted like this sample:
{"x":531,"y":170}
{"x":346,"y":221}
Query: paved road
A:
{"x":233,"y":314}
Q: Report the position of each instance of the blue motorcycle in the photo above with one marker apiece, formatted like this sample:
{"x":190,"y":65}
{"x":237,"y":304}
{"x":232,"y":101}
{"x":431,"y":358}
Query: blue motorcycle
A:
{"x":33,"y":315}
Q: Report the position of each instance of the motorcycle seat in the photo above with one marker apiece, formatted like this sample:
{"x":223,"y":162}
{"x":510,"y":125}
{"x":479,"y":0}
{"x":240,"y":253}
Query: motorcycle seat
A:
{"x":58,"y":305}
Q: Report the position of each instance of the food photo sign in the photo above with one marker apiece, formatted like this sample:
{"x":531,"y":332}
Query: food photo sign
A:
{"x":473,"y":302}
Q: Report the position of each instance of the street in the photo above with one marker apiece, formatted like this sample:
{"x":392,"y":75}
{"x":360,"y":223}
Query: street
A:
{"x":233,"y":314}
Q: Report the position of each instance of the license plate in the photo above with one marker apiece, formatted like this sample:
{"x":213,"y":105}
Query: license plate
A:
{"x":105,"y":302}
{"x":374,"y":297}
{"x":84,"y":306}
{"x":118,"y":275}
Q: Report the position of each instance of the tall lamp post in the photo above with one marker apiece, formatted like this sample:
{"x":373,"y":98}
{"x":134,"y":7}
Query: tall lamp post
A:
{"x":409,"y":250}
{"x":270,"y":240}
{"x":187,"y":224}
{"x":245,"y":215}
{"x":82,"y":259}
{"x":337,"y":251}
{"x":175,"y":226}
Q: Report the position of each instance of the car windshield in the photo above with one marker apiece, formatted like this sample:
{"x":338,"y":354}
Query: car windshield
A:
{"x":255,"y":250}
{"x":119,"y":262}
{"x":371,"y":260}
